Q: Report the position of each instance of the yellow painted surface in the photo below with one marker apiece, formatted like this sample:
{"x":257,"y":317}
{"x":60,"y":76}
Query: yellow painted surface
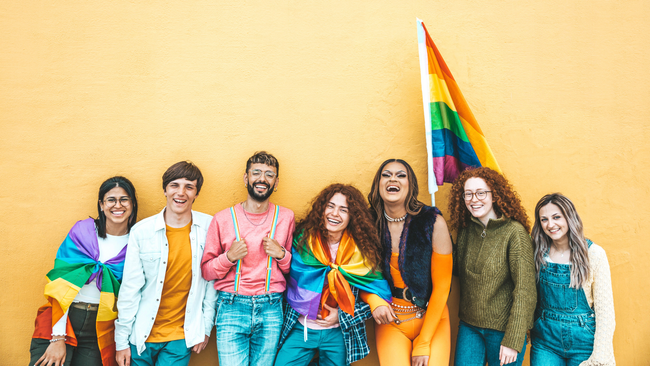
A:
{"x":91,"y":89}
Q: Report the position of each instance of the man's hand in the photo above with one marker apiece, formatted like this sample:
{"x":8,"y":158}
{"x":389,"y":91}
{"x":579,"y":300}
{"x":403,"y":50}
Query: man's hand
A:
{"x":54,"y":354}
{"x":420,"y":361}
{"x":331,"y":319}
{"x":123,"y":357}
{"x":201,"y":346}
{"x":237,"y":251}
{"x":507,"y":355}
{"x":273,"y":248}
{"x":384,"y":314}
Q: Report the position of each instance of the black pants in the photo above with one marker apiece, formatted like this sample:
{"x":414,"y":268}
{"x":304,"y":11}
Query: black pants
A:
{"x":87,"y":351}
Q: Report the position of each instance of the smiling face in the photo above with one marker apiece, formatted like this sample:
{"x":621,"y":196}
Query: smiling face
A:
{"x":554,"y":223}
{"x":260,"y":181}
{"x":117,"y":206}
{"x":482,"y":209}
{"x":180,"y":195}
{"x":394,"y":183}
{"x":336,"y":216}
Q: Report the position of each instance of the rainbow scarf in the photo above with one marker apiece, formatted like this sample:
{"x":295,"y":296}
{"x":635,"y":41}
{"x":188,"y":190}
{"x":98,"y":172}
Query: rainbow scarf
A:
{"x":77,"y":264}
{"x":454,"y":138}
{"x":310,"y":267}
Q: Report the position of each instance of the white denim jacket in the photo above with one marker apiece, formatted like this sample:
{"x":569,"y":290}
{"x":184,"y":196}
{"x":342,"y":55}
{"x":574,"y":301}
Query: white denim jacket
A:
{"x":142,"y":283}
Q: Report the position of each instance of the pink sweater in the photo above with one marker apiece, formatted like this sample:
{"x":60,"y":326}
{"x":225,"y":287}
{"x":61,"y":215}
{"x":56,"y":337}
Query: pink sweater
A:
{"x":221,"y":234}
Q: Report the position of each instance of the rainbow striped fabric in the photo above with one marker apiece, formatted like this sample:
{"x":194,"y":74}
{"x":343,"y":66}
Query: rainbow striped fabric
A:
{"x":454,"y":139}
{"x":310,"y":267}
{"x":77,"y":264}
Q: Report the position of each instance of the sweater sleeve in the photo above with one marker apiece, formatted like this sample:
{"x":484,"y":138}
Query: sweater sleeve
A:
{"x":441,"y":267}
{"x":603,"y":353}
{"x":285,"y":263}
{"x":215,"y":264}
{"x":524,"y":295}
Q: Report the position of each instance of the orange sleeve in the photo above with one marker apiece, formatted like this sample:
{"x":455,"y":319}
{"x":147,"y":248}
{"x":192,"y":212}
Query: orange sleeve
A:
{"x":441,"y":266}
{"x":373,"y":300}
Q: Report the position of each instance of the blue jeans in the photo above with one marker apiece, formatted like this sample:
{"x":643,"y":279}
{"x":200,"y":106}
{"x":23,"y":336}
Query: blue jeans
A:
{"x":475,"y":346}
{"x":565,"y":324}
{"x":248,"y":328}
{"x":329,"y":343}
{"x":172,"y":353}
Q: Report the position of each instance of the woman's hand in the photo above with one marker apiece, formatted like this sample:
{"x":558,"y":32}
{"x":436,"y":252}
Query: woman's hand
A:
{"x":54,"y":355}
{"x":331,"y":319}
{"x":420,"y":361}
{"x":199,"y":347}
{"x":123,"y":357}
{"x":384,"y":314}
{"x":507,"y":355}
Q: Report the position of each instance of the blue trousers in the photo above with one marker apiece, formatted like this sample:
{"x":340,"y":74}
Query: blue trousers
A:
{"x":248,"y":328}
{"x":296,"y":352}
{"x":475,"y":346}
{"x":173,"y":353}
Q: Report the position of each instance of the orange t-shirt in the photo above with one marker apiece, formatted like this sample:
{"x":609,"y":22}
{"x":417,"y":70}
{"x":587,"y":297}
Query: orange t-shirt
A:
{"x":170,"y":319}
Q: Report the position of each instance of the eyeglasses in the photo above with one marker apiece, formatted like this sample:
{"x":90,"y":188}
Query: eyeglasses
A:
{"x":480,"y":195}
{"x":112,"y":201}
{"x":257,"y":173}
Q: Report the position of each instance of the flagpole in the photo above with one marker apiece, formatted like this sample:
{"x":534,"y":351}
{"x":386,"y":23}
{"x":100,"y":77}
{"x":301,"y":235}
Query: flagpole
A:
{"x":426,"y":104}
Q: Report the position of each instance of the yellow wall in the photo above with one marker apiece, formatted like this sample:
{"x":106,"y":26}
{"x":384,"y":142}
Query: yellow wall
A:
{"x":90,"y":89}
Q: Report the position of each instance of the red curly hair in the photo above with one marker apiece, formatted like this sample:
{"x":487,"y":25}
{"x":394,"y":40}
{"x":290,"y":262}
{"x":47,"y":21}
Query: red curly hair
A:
{"x":361,"y":225}
{"x":506,"y":200}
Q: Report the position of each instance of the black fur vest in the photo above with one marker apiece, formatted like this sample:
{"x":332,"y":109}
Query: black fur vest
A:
{"x":415,"y":251}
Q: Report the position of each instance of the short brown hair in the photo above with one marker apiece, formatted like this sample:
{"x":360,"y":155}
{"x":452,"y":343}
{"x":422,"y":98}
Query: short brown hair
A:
{"x":262,"y":157}
{"x":183,"y":169}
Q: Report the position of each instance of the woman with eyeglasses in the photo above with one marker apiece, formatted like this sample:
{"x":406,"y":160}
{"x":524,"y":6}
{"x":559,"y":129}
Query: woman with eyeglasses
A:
{"x":413,"y":329}
{"x":574,"y":288}
{"x":76,"y":327}
{"x":494,"y":263}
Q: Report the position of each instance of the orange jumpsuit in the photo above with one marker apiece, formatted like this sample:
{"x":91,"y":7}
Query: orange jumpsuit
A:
{"x":427,"y":336}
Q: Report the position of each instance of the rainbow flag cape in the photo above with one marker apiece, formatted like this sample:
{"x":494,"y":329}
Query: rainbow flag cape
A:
{"x":454,"y":138}
{"x":311,"y":266}
{"x":77,"y":264}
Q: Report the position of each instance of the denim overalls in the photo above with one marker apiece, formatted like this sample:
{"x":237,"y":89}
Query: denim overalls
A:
{"x":564,"y":322}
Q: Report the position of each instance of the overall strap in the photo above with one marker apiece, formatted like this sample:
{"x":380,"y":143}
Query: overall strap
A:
{"x":269,"y":259}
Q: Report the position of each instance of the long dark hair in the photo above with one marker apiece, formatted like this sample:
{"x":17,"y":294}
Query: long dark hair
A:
{"x":110,"y":183}
{"x":360,"y":227}
{"x":577,"y":241}
{"x":413,"y":205}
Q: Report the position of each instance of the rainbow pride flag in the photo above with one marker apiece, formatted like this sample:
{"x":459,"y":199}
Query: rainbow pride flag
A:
{"x":77,"y":264}
{"x":311,"y":266}
{"x":454,"y":138}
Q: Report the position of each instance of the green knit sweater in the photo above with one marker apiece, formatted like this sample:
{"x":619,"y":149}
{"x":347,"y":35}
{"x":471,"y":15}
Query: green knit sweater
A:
{"x":497,"y":278}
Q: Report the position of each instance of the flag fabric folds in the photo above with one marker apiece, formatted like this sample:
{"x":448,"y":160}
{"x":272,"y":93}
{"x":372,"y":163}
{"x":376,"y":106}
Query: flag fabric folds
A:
{"x":454,"y":139}
{"x":311,"y":266}
{"x":77,"y":264}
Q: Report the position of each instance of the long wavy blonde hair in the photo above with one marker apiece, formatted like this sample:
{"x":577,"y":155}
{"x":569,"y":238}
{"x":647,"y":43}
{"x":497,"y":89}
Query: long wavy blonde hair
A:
{"x":577,"y":241}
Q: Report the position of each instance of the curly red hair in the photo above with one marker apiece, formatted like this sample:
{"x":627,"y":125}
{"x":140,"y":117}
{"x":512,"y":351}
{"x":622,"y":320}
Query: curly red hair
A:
{"x":361,"y":225}
{"x":506,"y":200}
